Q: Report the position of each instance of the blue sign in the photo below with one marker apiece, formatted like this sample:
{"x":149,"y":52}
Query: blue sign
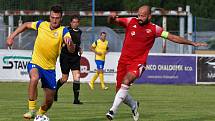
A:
{"x":169,"y":70}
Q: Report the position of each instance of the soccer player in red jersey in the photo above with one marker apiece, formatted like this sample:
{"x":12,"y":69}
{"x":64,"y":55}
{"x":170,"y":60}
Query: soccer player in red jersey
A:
{"x":140,"y":35}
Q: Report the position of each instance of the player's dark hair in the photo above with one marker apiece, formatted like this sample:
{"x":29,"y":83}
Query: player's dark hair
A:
{"x":57,"y":9}
{"x":103,"y":33}
{"x":75,"y":17}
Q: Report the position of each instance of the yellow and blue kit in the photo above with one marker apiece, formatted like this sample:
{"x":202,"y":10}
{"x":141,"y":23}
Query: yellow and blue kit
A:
{"x":47,"y":48}
{"x":102,"y":47}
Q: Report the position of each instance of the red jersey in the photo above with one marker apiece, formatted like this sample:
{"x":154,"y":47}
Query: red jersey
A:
{"x":138,"y":40}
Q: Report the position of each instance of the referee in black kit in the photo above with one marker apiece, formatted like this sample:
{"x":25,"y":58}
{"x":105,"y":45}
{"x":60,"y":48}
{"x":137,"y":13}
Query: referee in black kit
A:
{"x":71,"y":61}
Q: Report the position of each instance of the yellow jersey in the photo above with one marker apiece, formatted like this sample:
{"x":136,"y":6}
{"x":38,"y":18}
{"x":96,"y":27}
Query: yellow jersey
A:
{"x":100,"y":46}
{"x":48,"y":44}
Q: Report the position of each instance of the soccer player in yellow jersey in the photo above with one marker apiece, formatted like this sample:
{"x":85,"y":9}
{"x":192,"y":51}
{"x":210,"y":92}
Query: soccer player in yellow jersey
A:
{"x":50,"y":37}
{"x":100,"y":48}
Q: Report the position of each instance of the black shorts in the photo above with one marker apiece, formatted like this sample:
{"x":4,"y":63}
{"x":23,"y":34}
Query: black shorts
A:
{"x":68,"y":63}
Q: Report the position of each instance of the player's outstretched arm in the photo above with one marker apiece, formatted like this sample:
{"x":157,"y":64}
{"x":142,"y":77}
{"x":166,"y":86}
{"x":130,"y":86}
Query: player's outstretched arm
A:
{"x":20,"y":29}
{"x":70,"y":45}
{"x":181,"y":40}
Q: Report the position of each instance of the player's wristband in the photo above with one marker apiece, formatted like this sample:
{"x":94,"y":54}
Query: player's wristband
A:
{"x":164,"y":34}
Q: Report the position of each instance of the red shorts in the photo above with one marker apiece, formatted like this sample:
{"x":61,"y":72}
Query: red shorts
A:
{"x":122,"y":69}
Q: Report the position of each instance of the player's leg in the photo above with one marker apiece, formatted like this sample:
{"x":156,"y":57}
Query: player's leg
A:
{"x":49,"y":98}
{"x":122,"y":94}
{"x":60,"y":83}
{"x":65,"y":68}
{"x":49,"y":88}
{"x":92,"y":81}
{"x":129,"y":100}
{"x":136,"y":69}
{"x":101,"y":74}
{"x":121,"y":72}
{"x":76,"y":86}
{"x":133,"y":104}
{"x":32,"y":90}
{"x":101,"y":78}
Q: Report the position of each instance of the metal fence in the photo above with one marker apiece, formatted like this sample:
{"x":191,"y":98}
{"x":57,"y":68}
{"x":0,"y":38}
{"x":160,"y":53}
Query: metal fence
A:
{"x":204,"y":31}
{"x":25,"y":40}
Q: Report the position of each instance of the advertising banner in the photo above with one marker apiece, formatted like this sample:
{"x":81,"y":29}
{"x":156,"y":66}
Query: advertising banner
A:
{"x":163,"y":69}
{"x":206,"y":69}
{"x":13,"y":66}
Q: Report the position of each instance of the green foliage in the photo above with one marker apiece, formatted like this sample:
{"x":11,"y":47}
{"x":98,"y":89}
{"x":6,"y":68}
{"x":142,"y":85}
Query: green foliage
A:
{"x":106,"y":5}
{"x":200,"y":8}
{"x":131,"y":5}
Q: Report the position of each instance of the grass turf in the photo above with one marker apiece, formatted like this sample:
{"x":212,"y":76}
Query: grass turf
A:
{"x":157,"y":103}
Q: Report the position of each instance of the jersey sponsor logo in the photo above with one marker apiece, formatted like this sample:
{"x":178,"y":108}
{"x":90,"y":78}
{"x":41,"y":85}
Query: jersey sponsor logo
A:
{"x":33,"y":66}
{"x":133,"y":33}
{"x":85,"y":67}
{"x":135,"y":26}
{"x":55,"y":34}
{"x":148,"y":31}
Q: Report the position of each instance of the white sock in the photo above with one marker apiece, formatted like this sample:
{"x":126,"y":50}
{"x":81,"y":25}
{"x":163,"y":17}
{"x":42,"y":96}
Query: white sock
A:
{"x":120,"y":97}
{"x":130,"y":102}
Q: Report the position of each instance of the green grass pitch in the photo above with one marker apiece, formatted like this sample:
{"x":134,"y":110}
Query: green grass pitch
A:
{"x":157,"y":103}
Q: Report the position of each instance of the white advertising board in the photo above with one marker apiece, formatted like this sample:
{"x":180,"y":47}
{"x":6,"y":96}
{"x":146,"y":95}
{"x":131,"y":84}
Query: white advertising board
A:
{"x":13,"y":66}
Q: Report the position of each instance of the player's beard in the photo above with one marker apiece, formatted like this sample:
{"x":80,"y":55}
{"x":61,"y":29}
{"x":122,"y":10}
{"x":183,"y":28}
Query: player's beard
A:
{"x":141,"y":22}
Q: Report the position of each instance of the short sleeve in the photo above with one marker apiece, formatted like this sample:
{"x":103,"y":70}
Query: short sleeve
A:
{"x":66,"y":33}
{"x":158,"y":30}
{"x":35,"y":25}
{"x":94,"y":44}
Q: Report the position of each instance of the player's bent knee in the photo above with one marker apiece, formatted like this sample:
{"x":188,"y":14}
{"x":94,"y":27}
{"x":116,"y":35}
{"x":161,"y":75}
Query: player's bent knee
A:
{"x":127,"y":82}
{"x":99,"y":70}
{"x":77,"y":77}
{"x":34,"y":80}
{"x":64,"y":79}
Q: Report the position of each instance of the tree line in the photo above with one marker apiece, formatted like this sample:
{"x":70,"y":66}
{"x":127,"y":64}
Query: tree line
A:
{"x":200,"y":8}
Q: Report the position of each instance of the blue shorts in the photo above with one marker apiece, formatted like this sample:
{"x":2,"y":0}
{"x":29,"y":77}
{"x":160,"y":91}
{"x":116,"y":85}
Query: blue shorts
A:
{"x":48,"y":77}
{"x":100,"y":64}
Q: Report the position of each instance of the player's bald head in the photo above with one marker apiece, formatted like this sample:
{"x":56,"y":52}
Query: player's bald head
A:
{"x":145,"y":8}
{"x":144,"y":15}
